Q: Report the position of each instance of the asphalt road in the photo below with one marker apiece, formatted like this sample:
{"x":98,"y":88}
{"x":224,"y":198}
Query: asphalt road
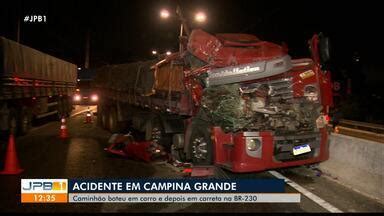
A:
{"x":43,"y":155}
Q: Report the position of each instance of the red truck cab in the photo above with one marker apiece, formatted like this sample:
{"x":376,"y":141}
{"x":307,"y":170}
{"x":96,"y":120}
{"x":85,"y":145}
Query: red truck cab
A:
{"x":292,"y":112}
{"x":260,"y":150}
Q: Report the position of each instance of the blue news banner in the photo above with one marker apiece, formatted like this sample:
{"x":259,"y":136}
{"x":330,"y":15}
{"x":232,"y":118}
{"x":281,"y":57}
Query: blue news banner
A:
{"x":179,"y":190}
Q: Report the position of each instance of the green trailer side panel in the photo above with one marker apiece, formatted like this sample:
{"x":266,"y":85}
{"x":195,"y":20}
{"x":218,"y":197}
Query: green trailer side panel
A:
{"x":24,"y":62}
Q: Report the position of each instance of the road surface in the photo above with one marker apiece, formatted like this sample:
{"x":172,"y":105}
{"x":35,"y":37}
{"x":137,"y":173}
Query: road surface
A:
{"x":43,"y":155}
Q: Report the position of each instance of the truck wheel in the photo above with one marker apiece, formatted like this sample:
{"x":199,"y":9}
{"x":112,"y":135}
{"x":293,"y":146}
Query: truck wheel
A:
{"x":112,"y":120}
{"x":98,"y":119}
{"x":60,"y":109}
{"x":201,"y":144}
{"x":24,"y":123}
{"x":104,"y":118}
{"x":155,"y":132}
{"x":13,"y":122}
{"x":67,"y":107}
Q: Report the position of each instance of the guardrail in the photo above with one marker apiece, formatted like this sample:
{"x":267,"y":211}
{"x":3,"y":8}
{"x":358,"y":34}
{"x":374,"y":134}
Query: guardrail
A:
{"x":369,"y":131}
{"x":376,"y":128}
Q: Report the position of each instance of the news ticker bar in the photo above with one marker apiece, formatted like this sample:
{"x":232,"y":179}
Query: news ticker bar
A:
{"x":154,"y":190}
{"x":163,"y":198}
{"x":152,"y":185}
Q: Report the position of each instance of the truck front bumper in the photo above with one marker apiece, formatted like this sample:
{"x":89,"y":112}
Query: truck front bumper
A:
{"x":232,"y":153}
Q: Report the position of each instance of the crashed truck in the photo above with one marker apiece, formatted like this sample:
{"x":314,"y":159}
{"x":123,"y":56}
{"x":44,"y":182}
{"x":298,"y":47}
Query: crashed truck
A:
{"x":230,"y":100}
{"x":34,"y":85}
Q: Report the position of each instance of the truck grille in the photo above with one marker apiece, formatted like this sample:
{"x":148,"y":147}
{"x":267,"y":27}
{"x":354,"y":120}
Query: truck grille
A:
{"x":280,"y":88}
{"x":283,"y":146}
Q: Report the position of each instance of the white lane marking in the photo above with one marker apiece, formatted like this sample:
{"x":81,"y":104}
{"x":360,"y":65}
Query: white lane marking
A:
{"x":306,"y":193}
{"x":83,"y":111}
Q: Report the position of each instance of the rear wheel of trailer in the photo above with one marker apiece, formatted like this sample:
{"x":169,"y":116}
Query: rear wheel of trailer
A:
{"x":24,"y":123}
{"x":104,"y":117}
{"x":112,"y":120}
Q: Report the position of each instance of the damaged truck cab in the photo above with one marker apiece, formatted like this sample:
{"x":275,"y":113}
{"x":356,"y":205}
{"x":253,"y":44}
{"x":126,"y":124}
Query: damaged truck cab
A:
{"x":230,"y":100}
{"x":265,"y":110}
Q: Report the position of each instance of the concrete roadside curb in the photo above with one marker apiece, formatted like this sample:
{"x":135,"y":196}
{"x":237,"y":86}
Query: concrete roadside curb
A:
{"x":357,"y":164}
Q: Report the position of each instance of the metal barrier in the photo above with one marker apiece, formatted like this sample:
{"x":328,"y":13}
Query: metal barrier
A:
{"x":376,"y":128}
{"x":363,"y":130}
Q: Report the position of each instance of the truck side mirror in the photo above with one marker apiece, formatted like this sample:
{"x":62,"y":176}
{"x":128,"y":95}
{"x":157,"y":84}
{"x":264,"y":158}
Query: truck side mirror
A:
{"x":320,"y":49}
{"x":324,"y":50}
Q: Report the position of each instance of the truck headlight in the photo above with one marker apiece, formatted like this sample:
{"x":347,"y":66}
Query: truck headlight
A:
{"x":311,"y":93}
{"x":77,"y":97}
{"x":253,"y":144}
{"x":94,"y":98}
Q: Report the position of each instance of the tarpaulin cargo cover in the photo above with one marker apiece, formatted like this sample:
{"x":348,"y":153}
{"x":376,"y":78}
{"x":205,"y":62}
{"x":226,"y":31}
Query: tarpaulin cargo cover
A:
{"x":20,"y":61}
{"x":124,"y":77}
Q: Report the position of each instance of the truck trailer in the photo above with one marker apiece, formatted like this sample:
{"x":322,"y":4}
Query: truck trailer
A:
{"x":230,"y":100}
{"x":34,"y":85}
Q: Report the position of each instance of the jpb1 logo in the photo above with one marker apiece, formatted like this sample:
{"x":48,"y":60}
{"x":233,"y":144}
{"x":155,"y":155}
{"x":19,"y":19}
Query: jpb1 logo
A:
{"x":44,"y":185}
{"x":44,"y":190}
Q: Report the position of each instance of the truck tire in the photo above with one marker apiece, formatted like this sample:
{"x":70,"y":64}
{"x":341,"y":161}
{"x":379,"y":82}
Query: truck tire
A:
{"x":67,"y":107}
{"x":112,"y":121}
{"x":62,"y":108}
{"x":155,"y":132}
{"x":13,"y":122}
{"x":104,"y":118}
{"x":98,"y":119}
{"x":24,"y":122}
{"x":201,"y":147}
{"x":177,"y":147}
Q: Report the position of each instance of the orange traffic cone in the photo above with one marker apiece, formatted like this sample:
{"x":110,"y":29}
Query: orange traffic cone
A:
{"x":63,"y":129}
{"x":11,"y":162}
